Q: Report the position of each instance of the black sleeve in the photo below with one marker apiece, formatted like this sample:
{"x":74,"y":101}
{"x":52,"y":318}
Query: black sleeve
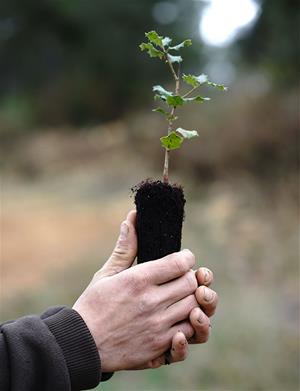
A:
{"x":53,"y":352}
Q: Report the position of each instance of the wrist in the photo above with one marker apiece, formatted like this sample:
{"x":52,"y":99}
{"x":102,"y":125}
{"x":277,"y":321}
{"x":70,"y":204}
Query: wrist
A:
{"x":78,"y":347}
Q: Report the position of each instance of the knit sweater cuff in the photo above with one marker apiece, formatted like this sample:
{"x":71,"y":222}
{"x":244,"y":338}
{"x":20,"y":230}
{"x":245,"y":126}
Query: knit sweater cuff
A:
{"x":78,"y":347}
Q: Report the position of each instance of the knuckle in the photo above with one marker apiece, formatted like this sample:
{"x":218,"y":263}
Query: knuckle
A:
{"x":155,"y":324}
{"x":180,"y":264}
{"x":191,"y":281}
{"x":147,"y":303}
{"x":137,"y":281}
{"x":190,"y":258}
{"x":192,"y":302}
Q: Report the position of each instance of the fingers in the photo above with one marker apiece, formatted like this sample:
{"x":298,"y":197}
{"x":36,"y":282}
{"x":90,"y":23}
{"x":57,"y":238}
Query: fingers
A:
{"x":180,"y":310}
{"x":175,"y":290}
{"x":125,"y":250}
{"x":180,"y":348}
{"x":168,"y":268}
{"x":185,"y":327}
{"x":207,"y":299}
{"x":201,"y":325}
{"x":204,"y":276}
{"x":178,"y":352}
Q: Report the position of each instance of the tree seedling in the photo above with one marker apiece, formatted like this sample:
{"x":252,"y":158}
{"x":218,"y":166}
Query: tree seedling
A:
{"x":160,"y":205}
{"x":162,"y":48}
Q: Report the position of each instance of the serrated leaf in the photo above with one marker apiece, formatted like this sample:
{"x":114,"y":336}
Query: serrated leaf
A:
{"x":154,"y":38}
{"x":218,"y":86}
{"x":172,"y":141}
{"x":166,"y":41}
{"x":174,"y":100}
{"x":174,"y":58}
{"x":186,"y":43}
{"x":170,"y":117}
{"x":152,"y":51}
{"x":187,"y":133}
{"x":198,"y":98}
{"x":195,"y":81}
{"x":161,"y":91}
{"x":202,"y":79}
{"x":191,"y":80}
{"x":161,"y":111}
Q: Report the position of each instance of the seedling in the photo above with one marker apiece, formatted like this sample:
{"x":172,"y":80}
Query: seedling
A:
{"x":160,"y":205}
{"x":161,"y":48}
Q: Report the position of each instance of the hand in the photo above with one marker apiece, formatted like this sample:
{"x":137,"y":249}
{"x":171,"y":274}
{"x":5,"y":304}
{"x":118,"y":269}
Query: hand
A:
{"x":121,"y":259}
{"x":151,"y":300}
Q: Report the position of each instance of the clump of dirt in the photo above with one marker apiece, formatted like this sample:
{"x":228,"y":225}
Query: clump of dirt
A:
{"x":160,"y":215}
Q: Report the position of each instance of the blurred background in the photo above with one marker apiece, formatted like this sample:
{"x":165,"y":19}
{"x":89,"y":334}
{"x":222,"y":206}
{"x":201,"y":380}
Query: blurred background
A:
{"x":77,"y":132}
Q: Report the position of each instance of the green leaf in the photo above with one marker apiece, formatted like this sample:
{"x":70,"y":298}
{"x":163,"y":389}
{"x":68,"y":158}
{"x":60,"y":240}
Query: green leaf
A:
{"x":175,"y":100}
{"x":183,"y":44}
{"x":202,"y":79}
{"x":218,"y":86}
{"x":198,"y":98}
{"x":187,"y":133}
{"x":161,"y":91}
{"x":152,"y":51}
{"x":172,"y":141}
{"x":174,"y":58}
{"x":166,"y":41}
{"x":170,"y":117}
{"x":161,"y":111}
{"x":155,"y":38}
{"x":195,"y":81}
{"x":191,"y":80}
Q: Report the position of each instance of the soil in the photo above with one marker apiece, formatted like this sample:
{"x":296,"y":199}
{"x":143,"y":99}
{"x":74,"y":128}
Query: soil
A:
{"x":160,"y":214}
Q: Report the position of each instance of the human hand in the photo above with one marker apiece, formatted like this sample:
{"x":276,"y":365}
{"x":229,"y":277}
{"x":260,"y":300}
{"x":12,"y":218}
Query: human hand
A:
{"x":122,"y":258}
{"x":151,"y":301}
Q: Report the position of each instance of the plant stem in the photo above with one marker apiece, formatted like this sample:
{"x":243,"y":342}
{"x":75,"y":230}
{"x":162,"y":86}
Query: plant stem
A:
{"x":189,"y":92}
{"x":177,"y":85}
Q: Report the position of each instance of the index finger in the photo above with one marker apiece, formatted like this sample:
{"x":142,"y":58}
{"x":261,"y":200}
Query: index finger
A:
{"x":168,"y":268}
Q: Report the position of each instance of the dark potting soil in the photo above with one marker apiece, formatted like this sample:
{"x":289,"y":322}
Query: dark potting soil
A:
{"x":160,"y":214}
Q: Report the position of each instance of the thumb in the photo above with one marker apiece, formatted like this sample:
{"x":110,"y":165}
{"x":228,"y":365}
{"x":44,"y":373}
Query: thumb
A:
{"x":125,"y":250}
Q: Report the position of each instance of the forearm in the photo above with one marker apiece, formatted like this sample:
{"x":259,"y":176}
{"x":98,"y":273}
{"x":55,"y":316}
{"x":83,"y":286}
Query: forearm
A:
{"x":53,"y":352}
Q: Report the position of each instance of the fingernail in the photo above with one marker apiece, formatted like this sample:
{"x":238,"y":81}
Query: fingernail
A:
{"x":208,"y":295}
{"x":124,"y":231}
{"x":200,"y":318}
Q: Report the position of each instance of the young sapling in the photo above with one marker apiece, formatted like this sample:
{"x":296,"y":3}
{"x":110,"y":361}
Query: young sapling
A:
{"x":160,"y":206}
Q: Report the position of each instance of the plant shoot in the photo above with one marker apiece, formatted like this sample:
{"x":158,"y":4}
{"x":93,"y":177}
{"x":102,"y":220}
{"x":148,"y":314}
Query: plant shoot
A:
{"x":161,"y":48}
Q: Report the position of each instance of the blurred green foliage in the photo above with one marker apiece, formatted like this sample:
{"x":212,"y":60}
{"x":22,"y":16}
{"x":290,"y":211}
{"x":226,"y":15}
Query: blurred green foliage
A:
{"x":77,"y":61}
{"x":274,"y":41}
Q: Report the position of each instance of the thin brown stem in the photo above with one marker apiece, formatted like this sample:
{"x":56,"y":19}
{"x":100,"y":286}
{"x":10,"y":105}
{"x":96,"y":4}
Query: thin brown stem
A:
{"x":189,"y":92}
{"x":166,"y":167}
{"x":177,"y":86}
{"x":171,"y":67}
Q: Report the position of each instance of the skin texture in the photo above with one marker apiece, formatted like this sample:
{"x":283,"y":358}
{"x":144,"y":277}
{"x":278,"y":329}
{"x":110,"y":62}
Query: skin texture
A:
{"x":161,"y":305}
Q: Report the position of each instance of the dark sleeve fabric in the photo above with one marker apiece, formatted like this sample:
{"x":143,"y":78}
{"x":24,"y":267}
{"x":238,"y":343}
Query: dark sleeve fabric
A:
{"x":55,"y":351}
